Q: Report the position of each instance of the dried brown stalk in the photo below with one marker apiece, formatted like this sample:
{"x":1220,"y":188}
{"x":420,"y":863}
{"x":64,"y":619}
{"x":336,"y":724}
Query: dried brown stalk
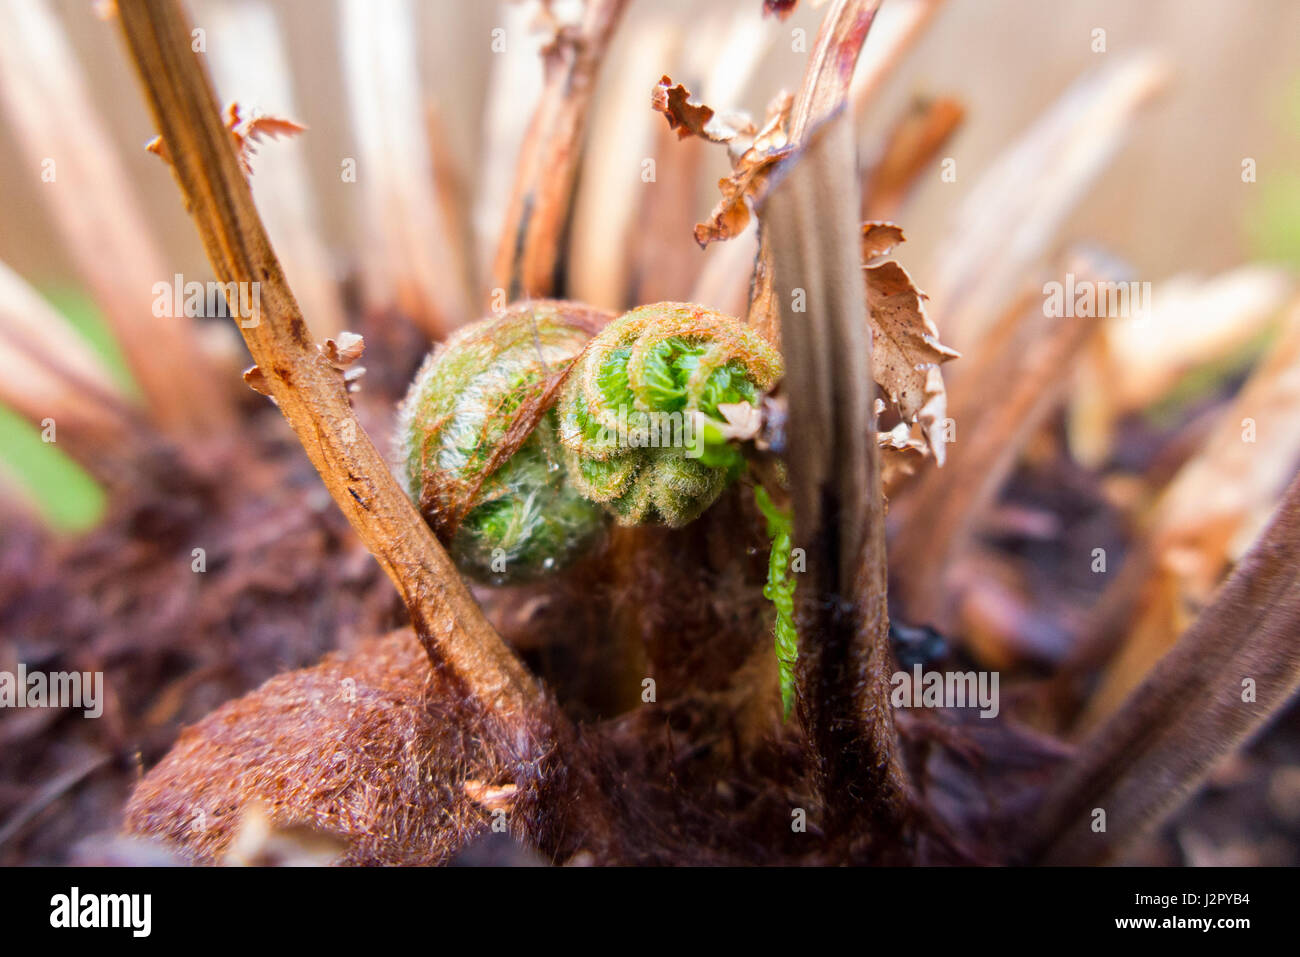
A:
{"x":1194,"y":322}
{"x":28,"y":323}
{"x":410,"y":259}
{"x":896,"y":31}
{"x":309,"y":390}
{"x":620,"y":237}
{"x":532,"y":237}
{"x":834,"y":59}
{"x":514,"y":86}
{"x":823,"y":92}
{"x":1024,"y":363}
{"x":49,"y":372}
{"x":1026,"y":195}
{"x":449,"y":188}
{"x":1190,"y":711}
{"x":250,"y":65}
{"x":46,"y":95}
{"x":809,"y":241}
{"x":835,"y":488}
{"x":1215,"y":496}
{"x":664,"y":252}
{"x":912,"y":145}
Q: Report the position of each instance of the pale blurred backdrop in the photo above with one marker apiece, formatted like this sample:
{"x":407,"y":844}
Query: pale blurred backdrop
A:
{"x":1172,"y":201}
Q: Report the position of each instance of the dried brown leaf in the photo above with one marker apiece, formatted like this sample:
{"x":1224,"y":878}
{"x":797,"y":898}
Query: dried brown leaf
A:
{"x":910,"y":147}
{"x":345,"y":350}
{"x":256,"y":380}
{"x":754,"y":152}
{"x":748,"y":181}
{"x":906,"y":351}
{"x":900,"y":438}
{"x":934,"y":410}
{"x":248,"y":131}
{"x":684,"y":116}
{"x":901,"y":454}
{"x":897,"y":465}
{"x":879,"y":238}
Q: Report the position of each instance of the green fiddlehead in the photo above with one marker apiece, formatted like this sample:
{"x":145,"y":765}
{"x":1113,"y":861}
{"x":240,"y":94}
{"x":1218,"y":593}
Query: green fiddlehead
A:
{"x":640,"y":432}
{"x":640,"y":416}
{"x":521,"y":519}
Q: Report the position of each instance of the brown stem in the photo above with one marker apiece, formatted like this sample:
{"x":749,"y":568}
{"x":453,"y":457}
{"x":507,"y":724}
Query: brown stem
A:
{"x":844,"y":660}
{"x":532,"y":236}
{"x":1221,"y":487}
{"x":409,"y":257}
{"x":807,"y":251}
{"x":247,"y":52}
{"x":47,"y":372}
{"x":823,"y":93}
{"x":826,"y":81}
{"x":310,"y":392}
{"x":1025,"y":361}
{"x":910,"y":147}
{"x":908,"y":27}
{"x":1190,"y":711}
{"x":1026,"y":194}
{"x":101,"y":224}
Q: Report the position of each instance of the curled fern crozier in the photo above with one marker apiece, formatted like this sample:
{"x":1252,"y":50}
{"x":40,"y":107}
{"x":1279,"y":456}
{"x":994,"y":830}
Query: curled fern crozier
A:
{"x":641,"y":416}
{"x":503,"y":520}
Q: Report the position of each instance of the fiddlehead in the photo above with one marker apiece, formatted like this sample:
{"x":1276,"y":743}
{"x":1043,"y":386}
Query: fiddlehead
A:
{"x":642,"y":416}
{"x":505,"y":518}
